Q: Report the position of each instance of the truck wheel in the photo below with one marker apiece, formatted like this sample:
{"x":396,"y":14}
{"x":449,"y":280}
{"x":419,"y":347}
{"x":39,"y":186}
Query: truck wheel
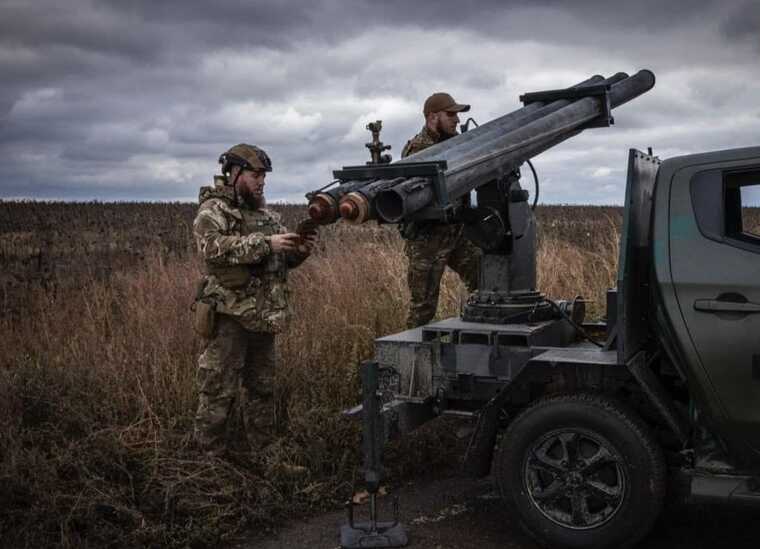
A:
{"x":581,"y":471}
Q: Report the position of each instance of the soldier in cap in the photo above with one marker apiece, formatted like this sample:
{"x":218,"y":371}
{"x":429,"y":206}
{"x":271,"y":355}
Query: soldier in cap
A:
{"x":242,"y":301}
{"x":431,"y":246}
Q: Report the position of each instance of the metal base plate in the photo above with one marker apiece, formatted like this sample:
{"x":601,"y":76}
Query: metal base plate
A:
{"x":386,"y":534}
{"x":500,"y":307}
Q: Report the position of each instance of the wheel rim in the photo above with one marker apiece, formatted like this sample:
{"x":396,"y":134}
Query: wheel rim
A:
{"x":575,"y":478}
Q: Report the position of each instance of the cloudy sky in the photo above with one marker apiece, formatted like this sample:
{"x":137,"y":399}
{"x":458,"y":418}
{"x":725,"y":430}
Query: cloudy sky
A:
{"x":135,"y":99}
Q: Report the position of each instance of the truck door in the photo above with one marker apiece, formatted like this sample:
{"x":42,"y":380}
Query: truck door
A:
{"x":715,"y":264}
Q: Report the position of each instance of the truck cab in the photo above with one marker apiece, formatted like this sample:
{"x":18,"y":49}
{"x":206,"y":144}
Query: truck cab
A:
{"x":706,"y":255}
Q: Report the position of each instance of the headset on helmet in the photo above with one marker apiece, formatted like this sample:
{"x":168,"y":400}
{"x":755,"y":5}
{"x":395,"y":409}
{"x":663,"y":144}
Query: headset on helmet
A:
{"x":248,"y":157}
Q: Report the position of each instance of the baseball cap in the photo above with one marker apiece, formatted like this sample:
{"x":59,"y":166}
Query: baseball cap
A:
{"x":441,"y":101}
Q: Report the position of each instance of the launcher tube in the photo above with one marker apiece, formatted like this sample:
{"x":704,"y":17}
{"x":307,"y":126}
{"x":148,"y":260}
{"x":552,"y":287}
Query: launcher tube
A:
{"x":514,"y":148}
{"x":358,"y":205}
{"x":458,"y":146}
{"x":325,"y":207}
{"x":491,"y":140}
{"x":509,"y":150}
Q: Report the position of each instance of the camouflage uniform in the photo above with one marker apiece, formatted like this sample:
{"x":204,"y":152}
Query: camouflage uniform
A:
{"x":430,"y":247}
{"x":247,"y":284}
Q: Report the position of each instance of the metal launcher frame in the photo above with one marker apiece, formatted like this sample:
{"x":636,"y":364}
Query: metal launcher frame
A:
{"x":469,"y":366}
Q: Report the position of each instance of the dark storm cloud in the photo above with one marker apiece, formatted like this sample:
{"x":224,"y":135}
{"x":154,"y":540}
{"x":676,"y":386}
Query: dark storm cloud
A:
{"x":744,"y":24}
{"x":75,"y":25}
{"x":112,"y":99}
{"x":493,"y":16}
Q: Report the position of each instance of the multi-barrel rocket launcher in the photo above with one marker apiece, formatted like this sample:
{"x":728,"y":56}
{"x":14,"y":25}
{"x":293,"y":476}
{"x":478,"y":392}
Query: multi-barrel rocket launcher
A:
{"x":460,"y":365}
{"x":435,"y":184}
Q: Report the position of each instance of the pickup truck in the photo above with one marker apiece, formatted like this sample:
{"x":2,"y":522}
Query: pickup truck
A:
{"x":585,"y":426}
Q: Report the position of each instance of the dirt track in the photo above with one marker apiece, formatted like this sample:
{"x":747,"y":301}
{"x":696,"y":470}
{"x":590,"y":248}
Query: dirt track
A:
{"x":457,"y":513}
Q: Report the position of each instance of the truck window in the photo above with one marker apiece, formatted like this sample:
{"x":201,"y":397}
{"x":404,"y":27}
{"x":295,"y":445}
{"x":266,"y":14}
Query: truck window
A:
{"x":750,"y":197}
{"x":742,"y":206}
{"x":737,"y":222}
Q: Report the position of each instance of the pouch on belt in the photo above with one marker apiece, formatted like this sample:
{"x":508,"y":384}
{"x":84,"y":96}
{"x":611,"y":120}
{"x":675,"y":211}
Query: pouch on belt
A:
{"x":204,"y":319}
{"x":204,"y":314}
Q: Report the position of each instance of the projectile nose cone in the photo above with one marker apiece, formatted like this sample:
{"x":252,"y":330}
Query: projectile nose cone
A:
{"x":318,"y":211}
{"x":323,"y":209}
{"x":348,"y":210}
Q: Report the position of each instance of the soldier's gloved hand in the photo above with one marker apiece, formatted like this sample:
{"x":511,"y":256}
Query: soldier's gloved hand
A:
{"x":287,"y":242}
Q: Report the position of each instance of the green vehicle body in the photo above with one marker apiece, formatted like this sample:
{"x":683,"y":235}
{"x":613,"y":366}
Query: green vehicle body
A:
{"x":707,"y":287}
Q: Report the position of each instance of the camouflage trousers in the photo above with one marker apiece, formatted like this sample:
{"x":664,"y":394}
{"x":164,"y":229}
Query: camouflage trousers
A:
{"x":235,"y":378}
{"x":437,"y":247}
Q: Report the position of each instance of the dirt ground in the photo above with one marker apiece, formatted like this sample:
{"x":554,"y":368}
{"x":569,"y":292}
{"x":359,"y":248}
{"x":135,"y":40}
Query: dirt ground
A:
{"x":459,"y":513}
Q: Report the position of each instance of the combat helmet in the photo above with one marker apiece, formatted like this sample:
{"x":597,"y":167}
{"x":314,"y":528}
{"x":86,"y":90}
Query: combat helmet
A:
{"x":248,"y":157}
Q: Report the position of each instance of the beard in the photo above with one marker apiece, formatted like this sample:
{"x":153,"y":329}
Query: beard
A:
{"x":443,"y":132}
{"x":253,"y":201}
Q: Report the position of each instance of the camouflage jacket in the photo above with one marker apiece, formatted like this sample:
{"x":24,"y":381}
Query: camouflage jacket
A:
{"x":421,"y":141}
{"x":419,"y":230}
{"x":243,"y":277}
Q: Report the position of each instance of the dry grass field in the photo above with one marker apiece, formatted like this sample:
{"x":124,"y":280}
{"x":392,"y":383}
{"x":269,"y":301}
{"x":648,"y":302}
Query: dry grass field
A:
{"x":98,"y":363}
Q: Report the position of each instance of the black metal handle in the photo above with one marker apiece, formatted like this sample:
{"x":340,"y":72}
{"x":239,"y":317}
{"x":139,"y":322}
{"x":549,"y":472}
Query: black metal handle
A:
{"x":718,"y":306}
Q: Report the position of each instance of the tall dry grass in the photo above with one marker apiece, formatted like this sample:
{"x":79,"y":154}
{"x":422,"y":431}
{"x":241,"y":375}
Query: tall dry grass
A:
{"x":587,"y":268}
{"x":97,"y":397}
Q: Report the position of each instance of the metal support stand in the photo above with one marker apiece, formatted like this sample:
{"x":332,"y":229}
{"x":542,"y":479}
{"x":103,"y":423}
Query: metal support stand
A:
{"x":372,"y":533}
{"x":503,"y":226}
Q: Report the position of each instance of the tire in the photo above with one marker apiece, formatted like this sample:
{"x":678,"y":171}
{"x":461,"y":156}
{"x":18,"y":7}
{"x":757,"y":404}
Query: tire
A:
{"x":581,"y":471}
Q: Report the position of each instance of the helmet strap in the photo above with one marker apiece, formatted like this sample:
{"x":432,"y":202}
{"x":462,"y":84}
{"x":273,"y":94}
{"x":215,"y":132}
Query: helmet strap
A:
{"x":234,"y":188}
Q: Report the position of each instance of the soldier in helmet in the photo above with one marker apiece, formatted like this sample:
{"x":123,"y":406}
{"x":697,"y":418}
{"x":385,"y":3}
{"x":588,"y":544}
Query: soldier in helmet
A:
{"x":243,"y":299}
{"x":431,"y":246}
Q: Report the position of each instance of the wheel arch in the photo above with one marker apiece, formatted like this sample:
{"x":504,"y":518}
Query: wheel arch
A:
{"x":539,"y":380}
